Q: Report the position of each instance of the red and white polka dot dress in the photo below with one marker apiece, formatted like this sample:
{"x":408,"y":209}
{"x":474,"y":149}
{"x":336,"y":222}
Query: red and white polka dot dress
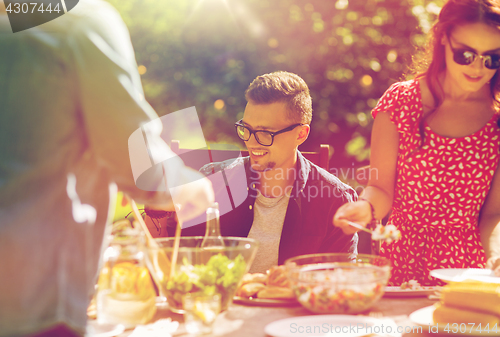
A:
{"x":439,"y":191}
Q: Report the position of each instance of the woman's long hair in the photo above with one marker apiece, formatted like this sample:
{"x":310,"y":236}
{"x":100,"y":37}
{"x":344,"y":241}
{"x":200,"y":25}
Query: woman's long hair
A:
{"x":455,"y":13}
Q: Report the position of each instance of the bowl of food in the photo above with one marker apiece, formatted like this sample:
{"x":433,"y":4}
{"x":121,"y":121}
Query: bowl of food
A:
{"x":336,"y":283}
{"x":201,"y":270}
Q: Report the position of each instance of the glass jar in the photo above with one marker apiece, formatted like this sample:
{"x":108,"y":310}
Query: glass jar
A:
{"x":125,"y":293}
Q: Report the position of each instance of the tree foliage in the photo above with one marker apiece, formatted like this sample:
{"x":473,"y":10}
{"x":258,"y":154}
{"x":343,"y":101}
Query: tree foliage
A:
{"x":204,"y":53}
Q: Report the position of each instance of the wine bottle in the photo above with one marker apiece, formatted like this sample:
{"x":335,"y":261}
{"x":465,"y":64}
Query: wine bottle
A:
{"x":212,"y":238}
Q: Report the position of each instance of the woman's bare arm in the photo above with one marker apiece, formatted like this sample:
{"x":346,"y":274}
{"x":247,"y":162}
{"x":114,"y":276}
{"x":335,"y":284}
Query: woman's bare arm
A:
{"x":380,"y":189}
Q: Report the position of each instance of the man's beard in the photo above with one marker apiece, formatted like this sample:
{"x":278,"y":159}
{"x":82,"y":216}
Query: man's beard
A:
{"x":262,"y":168}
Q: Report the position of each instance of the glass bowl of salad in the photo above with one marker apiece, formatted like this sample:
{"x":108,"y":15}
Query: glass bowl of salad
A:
{"x":337,"y":283}
{"x":201,"y":270}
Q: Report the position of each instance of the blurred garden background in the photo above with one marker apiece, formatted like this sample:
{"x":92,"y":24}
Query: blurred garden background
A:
{"x":204,"y":53}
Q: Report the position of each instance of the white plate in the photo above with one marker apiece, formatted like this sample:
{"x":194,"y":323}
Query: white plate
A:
{"x":458,"y":275}
{"x":423,"y":317}
{"x":331,"y":325}
{"x":398,"y":292}
{"x":95,"y":329}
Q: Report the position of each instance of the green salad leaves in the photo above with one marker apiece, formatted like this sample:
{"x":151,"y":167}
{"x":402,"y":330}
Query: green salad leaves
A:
{"x":219,"y":275}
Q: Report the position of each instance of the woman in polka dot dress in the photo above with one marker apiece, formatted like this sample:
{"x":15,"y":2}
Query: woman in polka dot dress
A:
{"x":435,"y":151}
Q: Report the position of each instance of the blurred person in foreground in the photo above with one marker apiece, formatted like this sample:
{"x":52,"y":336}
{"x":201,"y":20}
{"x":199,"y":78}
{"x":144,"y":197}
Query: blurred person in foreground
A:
{"x":435,"y":150}
{"x":290,"y":201}
{"x":70,"y":98}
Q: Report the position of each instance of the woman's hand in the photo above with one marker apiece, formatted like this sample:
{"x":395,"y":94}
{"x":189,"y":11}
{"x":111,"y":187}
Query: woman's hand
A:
{"x":359,"y":212}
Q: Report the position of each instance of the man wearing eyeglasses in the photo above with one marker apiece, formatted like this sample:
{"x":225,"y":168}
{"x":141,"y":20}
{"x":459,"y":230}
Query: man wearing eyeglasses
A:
{"x":291,"y":201}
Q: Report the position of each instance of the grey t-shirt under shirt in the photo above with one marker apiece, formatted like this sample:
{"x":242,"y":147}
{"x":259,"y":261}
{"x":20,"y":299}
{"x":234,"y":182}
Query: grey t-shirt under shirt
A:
{"x":269,"y":215}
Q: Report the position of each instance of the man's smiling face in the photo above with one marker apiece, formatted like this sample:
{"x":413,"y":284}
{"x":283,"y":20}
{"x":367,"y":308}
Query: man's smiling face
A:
{"x":271,"y":117}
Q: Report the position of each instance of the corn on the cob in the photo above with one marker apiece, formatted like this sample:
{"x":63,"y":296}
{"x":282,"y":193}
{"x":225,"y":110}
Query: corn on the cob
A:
{"x":472,"y":296}
{"x":444,"y":314}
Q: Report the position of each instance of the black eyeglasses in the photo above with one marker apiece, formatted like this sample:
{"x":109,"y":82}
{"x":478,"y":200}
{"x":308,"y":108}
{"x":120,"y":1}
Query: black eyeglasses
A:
{"x":465,"y":57}
{"x":264,"y":138}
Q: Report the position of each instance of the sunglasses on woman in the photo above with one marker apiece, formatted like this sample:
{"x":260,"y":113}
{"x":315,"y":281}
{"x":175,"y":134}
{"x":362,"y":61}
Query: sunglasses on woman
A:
{"x":465,"y":57}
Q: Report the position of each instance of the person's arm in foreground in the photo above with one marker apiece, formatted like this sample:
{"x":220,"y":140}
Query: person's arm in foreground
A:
{"x":113,"y":107}
{"x":380,"y":189}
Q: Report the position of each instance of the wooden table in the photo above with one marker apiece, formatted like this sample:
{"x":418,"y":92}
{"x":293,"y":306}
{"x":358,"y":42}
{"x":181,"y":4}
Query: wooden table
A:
{"x":250,"y":321}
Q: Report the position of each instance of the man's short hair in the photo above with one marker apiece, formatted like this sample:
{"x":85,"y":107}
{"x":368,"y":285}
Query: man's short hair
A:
{"x":282,"y":86}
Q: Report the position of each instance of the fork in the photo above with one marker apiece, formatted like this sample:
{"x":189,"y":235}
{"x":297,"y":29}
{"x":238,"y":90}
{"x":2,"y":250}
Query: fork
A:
{"x":358,"y":226}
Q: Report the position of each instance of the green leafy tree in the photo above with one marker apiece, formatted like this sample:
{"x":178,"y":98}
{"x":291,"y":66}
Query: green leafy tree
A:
{"x":206,"y":52}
